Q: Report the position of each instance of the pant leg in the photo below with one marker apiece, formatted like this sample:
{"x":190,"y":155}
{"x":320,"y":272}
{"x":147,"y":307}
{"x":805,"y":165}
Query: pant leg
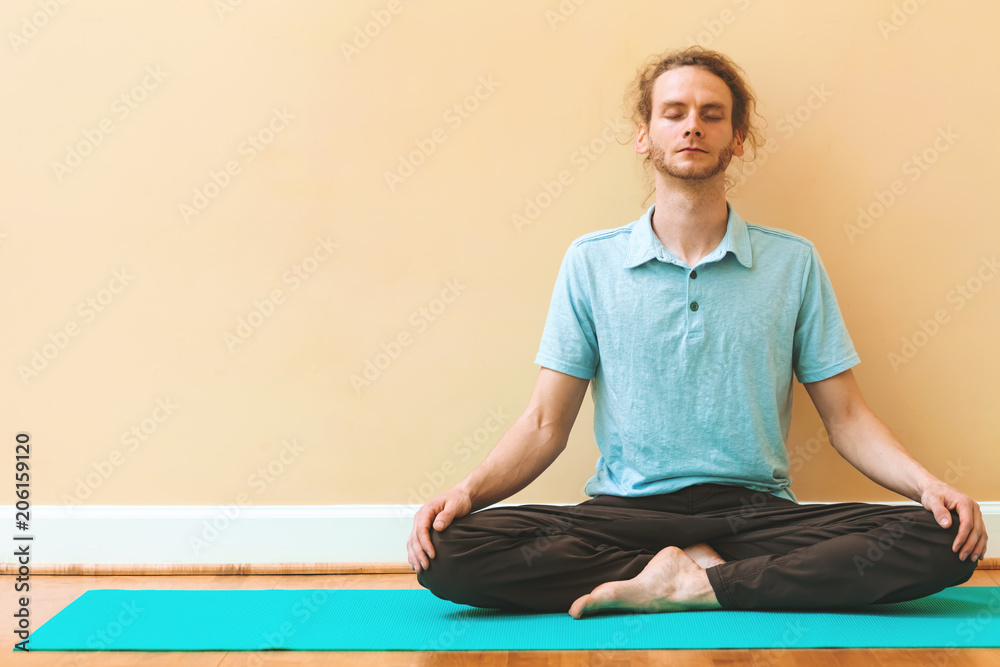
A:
{"x":785,"y":555}
{"x":543,"y":557}
{"x":782,"y":554}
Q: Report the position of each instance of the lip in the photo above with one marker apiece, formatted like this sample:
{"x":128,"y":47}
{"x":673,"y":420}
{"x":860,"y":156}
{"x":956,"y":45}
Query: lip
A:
{"x":692,"y":150}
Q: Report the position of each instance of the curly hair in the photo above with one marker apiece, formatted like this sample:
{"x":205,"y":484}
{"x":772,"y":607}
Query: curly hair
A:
{"x":639,"y":95}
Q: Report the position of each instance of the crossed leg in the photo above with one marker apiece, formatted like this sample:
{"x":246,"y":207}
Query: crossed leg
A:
{"x":643,"y":554}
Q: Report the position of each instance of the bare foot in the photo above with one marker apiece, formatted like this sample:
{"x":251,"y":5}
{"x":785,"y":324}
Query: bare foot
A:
{"x":671,"y":581}
{"x":704,"y":555}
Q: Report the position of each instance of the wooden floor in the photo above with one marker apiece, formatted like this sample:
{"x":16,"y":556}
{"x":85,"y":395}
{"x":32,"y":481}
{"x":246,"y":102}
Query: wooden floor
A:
{"x":52,"y":593}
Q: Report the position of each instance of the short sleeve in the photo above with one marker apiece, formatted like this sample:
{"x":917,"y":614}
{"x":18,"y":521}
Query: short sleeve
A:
{"x":569,"y":340}
{"x":822,"y":346}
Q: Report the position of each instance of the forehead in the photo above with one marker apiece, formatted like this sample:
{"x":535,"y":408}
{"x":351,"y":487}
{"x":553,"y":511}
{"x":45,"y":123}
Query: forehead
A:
{"x":691,"y":86}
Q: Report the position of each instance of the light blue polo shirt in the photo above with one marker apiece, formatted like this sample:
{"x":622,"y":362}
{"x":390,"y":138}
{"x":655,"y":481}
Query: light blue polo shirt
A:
{"x":691,"y":367}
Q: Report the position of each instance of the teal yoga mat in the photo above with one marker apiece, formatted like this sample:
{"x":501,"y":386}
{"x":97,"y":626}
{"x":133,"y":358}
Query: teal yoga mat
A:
{"x":415,"y":620}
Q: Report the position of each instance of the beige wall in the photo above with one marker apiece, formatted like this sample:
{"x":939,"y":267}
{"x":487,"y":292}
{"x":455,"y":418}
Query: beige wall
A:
{"x":171,"y":286}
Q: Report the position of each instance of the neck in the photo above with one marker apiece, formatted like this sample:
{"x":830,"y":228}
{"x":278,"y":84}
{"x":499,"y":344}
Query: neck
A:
{"x":690,"y":221}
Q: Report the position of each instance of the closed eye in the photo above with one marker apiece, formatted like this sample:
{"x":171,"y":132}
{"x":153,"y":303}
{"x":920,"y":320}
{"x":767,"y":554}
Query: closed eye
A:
{"x":676,"y":117}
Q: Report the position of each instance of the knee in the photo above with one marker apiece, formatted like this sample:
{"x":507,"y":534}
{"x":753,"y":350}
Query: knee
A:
{"x":967,"y":574}
{"x":441,"y":576}
{"x":428,"y":576}
{"x":951,"y":570}
{"x":945,"y":562}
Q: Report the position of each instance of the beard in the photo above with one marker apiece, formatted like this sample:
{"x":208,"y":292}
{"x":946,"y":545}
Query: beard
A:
{"x":689,"y":172}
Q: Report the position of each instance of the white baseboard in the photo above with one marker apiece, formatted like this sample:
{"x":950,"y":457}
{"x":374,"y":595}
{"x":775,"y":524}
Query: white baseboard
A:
{"x":189,"y":534}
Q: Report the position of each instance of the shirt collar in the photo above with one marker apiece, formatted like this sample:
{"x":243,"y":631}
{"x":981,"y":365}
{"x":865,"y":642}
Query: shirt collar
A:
{"x":643,"y":245}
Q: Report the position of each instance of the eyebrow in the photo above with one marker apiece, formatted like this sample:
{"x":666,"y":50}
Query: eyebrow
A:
{"x":678,"y":103}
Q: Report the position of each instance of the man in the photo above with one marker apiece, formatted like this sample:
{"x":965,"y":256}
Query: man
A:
{"x":691,"y":322}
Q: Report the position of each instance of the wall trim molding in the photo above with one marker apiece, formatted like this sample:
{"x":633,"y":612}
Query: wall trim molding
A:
{"x":207,"y":539}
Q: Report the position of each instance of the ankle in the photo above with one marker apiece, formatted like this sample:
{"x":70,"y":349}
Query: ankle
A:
{"x":697,"y":590}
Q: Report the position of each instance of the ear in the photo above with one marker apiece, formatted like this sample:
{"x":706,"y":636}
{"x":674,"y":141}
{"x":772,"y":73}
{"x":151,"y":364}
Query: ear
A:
{"x":641,"y":142}
{"x":738,"y":149}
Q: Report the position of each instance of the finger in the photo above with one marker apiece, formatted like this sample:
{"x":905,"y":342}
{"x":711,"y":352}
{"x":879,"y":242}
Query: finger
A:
{"x":980,"y":549}
{"x":966,"y":523}
{"x":420,"y":558}
{"x":423,"y":534}
{"x":418,"y":551}
{"x":940,"y":512}
{"x":970,"y":545}
{"x":442,"y":521}
{"x":417,"y":547}
{"x":975,"y":540}
{"x":410,"y":559}
{"x":420,"y":536}
{"x":413,"y":547}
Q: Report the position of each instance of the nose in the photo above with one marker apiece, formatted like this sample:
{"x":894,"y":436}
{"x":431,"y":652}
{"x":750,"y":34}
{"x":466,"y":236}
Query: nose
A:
{"x":693,"y":127}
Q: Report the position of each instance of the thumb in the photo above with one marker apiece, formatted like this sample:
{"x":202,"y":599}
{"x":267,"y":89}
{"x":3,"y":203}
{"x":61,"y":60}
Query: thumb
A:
{"x":441,"y":521}
{"x":942,"y":514}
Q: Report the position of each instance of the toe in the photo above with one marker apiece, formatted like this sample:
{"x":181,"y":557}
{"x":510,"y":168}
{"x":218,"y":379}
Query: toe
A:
{"x":576,"y":609}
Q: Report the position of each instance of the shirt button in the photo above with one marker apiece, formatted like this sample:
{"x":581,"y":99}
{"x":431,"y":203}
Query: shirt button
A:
{"x":694,"y":273}
{"x":694,"y":305}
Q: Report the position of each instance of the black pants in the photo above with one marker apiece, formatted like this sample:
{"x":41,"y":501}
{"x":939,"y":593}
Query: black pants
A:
{"x":781,"y":555}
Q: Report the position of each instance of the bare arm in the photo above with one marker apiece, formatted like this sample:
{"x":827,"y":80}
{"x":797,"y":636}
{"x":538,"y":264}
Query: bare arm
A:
{"x":532,"y":443}
{"x":863,"y":439}
{"x":528,"y":447}
{"x":869,"y":445}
